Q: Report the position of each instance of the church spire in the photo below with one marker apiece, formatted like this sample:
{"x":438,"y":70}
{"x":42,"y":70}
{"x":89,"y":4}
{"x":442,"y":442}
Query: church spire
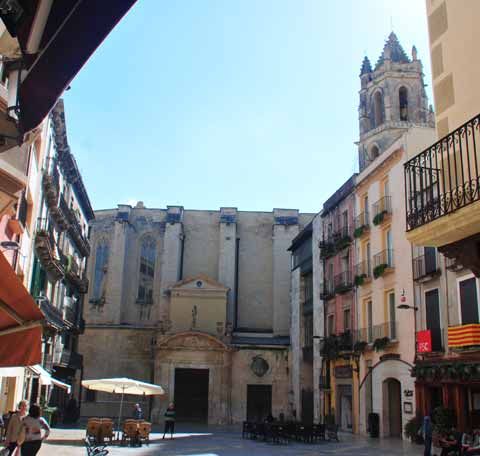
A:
{"x":393,"y":51}
{"x":366,"y":66}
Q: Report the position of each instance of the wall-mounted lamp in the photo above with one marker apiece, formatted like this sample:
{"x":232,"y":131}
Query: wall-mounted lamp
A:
{"x":9,"y":245}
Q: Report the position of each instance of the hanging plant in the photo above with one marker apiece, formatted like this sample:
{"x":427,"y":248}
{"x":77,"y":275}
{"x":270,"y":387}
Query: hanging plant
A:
{"x":379,"y":270}
{"x":380,"y":343}
{"x":359,"y":231}
{"x":360,"y":279}
{"x":359,"y":346}
{"x":378,"y":219}
{"x":343,"y":243}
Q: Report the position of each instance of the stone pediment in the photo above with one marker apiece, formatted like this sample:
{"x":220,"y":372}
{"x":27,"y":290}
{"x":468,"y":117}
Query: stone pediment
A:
{"x":192,"y":340}
{"x":199,"y":282}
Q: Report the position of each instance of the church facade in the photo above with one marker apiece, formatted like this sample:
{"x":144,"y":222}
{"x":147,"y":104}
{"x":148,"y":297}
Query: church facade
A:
{"x":196,"y":301}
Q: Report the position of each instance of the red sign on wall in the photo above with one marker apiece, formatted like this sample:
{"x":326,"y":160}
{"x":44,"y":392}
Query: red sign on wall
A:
{"x":424,"y":341}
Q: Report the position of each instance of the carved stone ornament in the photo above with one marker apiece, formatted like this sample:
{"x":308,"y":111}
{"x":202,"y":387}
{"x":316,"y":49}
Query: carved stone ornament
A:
{"x":259,"y":366}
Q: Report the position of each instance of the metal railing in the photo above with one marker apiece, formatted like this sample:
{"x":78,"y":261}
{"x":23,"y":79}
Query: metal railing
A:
{"x":75,"y":230}
{"x":423,"y":266}
{"x":384,"y":258}
{"x":444,"y":177}
{"x":363,"y":269}
{"x":383,"y":206}
{"x":327,"y":289}
{"x":343,"y":281}
{"x":371,"y":333}
{"x":362,"y":220}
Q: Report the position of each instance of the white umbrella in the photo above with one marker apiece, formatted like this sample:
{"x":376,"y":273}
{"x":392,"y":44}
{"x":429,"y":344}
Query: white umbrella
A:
{"x":123,"y":386}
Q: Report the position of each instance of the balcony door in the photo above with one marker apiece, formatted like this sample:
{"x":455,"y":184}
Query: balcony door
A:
{"x":468,"y":300}
{"x":389,"y":248}
{"x":432,"y":312}
{"x":430,"y":260}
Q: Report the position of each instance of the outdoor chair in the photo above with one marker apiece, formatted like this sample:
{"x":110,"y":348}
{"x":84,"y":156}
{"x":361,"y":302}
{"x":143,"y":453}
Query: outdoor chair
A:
{"x":94,"y":450}
{"x":318,"y":432}
{"x":278,"y":433}
{"x":130,"y":433}
{"x":144,"y":429}
{"x":247,"y":429}
{"x":93,"y":429}
{"x":106,"y":430}
{"x":332,"y":432}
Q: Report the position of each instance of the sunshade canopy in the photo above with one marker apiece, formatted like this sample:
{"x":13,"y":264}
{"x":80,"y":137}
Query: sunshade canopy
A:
{"x":56,"y":39}
{"x":47,"y":379}
{"x":20,"y":321}
{"x":123,"y":386}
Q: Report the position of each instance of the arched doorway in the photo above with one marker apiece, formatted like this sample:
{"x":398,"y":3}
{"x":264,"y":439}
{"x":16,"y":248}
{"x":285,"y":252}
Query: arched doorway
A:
{"x":392,"y":418}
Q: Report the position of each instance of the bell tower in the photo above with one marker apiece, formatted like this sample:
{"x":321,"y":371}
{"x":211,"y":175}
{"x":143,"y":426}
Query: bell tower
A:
{"x":392,"y":99}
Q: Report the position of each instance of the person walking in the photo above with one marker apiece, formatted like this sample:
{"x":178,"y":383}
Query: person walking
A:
{"x":14,"y":433}
{"x":169,"y":420}
{"x":427,"y":433}
{"x":33,"y":425}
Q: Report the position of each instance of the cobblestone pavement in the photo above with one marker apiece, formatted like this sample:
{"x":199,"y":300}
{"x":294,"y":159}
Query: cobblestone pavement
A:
{"x":227,"y":441}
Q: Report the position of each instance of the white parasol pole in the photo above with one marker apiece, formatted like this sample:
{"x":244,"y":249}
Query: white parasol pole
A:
{"x":120,"y":414}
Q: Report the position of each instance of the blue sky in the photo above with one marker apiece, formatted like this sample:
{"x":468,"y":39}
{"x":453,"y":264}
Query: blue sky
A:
{"x":250,"y":103}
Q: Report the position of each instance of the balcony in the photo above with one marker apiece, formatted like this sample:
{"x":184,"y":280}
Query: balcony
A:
{"x":18,"y":223}
{"x":425,"y":267}
{"x":464,"y":336}
{"x":382,"y":210}
{"x":453,"y":264}
{"x":45,"y":250}
{"x":381,"y":332}
{"x":75,"y":231}
{"x":343,"y":282}
{"x":51,"y":182}
{"x":73,"y":275}
{"x":430,"y":341}
{"x":327,"y":290}
{"x":335,"y":242}
{"x":361,"y":225}
{"x":70,"y":360}
{"x":363,"y":273}
{"x":383,"y":263}
{"x":442,"y":195}
{"x":53,"y":316}
{"x":59,"y":213}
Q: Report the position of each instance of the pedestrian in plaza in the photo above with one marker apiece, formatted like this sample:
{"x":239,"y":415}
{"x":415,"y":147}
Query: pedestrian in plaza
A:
{"x":14,"y":433}
{"x":33,"y":425}
{"x":169,"y":420}
{"x":427,"y":435}
{"x":137,"y":412}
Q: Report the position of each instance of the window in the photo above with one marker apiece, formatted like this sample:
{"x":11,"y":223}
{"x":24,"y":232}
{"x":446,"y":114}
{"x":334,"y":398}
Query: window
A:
{"x":369,"y":261}
{"x":389,"y":243}
{"x":369,"y":322}
{"x":403,"y":103}
{"x":468,"y":300}
{"x":331,"y":325}
{"x":365,"y":205}
{"x":432,"y":314}
{"x":307,"y":288}
{"x":386,"y":188}
{"x":393,"y":317}
{"x":378,"y":108}
{"x":430,"y":255}
{"x":101,"y":263}
{"x":147,"y":273}
{"x":345,"y":223}
{"x":308,"y":331}
{"x":346,"y":320}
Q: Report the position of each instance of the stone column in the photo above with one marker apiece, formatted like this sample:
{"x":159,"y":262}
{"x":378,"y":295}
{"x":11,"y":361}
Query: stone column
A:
{"x":228,"y":257}
{"x":116,"y":270}
{"x":285,"y":228}
{"x":171,"y":258}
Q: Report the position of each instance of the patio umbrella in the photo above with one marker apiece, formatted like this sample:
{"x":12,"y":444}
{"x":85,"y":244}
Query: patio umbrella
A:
{"x":123,"y":386}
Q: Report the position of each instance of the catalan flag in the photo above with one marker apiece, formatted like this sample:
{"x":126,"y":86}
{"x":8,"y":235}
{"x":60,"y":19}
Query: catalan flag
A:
{"x":464,"y":335}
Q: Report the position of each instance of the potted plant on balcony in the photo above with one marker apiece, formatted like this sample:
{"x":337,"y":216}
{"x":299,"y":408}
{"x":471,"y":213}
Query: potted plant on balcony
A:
{"x":380,"y":343}
{"x":360,"y":279}
{"x":359,"y":231}
{"x":379,"y":270}
{"x":378,"y":219}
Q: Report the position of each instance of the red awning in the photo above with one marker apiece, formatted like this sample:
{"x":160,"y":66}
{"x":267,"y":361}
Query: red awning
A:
{"x":64,"y":36}
{"x":20,"y":321}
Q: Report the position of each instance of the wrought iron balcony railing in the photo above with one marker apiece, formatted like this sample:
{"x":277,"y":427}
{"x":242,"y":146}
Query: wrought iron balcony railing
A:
{"x":381,"y":209}
{"x":361,"y":224}
{"x":75,"y":231}
{"x":327,"y":290}
{"x":70,"y":359}
{"x":381,"y":261}
{"x":363,"y":272}
{"x":45,"y":250}
{"x":444,"y":177}
{"x":424,"y":266}
{"x":372,"y":333}
{"x":343,"y":282}
{"x":51,"y":182}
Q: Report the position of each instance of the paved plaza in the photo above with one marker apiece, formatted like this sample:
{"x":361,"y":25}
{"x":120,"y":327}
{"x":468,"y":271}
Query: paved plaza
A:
{"x":227,"y":441}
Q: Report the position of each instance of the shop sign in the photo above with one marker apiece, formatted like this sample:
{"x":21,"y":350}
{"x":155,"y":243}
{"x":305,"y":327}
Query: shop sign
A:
{"x":343,"y":371}
{"x":424,"y":341}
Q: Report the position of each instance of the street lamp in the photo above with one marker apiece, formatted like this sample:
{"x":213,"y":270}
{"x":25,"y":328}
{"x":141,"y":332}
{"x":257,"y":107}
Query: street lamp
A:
{"x":406,"y":306}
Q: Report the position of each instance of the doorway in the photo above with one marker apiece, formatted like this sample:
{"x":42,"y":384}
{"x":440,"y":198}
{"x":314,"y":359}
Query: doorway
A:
{"x":259,"y":402}
{"x":307,"y":406}
{"x":191,"y":395}
{"x":392,"y":408}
